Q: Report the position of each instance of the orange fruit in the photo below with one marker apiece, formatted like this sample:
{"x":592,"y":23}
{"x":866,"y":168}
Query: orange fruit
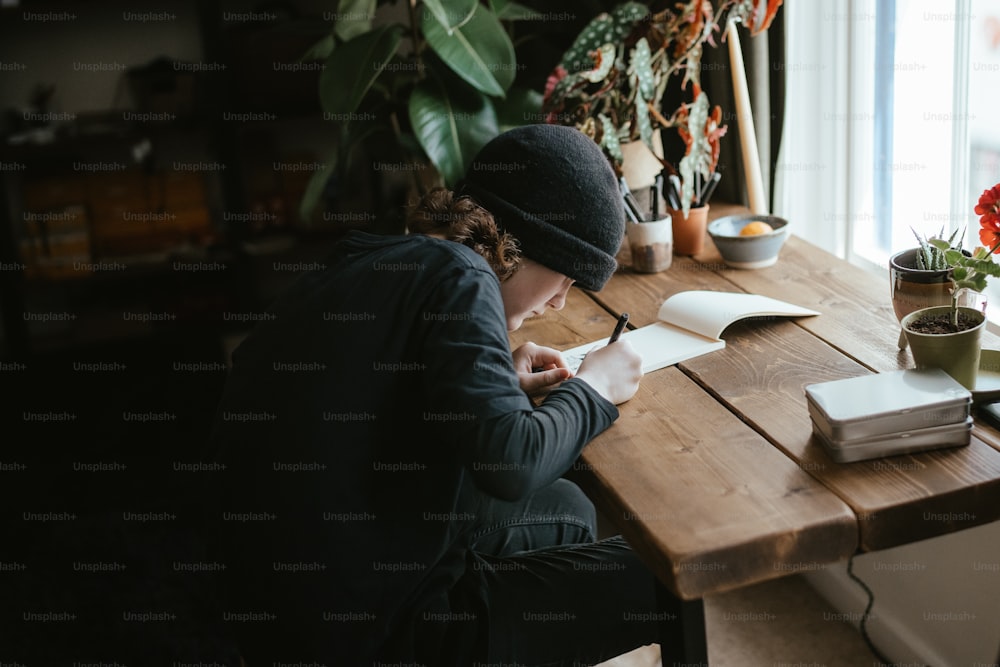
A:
{"x":756,"y":227}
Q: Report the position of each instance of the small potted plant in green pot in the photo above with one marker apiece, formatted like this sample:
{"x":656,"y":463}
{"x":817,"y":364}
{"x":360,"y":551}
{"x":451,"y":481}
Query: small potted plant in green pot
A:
{"x":948,"y":337}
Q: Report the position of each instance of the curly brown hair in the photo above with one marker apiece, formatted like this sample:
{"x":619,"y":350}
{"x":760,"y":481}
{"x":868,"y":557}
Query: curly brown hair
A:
{"x":462,"y":220}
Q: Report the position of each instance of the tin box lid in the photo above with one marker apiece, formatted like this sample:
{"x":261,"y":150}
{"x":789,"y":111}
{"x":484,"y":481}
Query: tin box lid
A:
{"x":890,"y":394}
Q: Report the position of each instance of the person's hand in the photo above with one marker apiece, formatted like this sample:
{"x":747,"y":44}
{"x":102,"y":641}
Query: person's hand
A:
{"x":529,"y":357}
{"x":613,"y":370}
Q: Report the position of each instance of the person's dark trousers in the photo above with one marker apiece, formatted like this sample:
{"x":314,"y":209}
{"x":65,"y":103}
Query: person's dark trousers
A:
{"x":551,"y":593}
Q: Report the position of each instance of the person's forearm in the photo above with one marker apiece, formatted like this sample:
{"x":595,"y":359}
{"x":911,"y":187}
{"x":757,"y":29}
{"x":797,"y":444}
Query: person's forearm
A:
{"x":520,"y":452}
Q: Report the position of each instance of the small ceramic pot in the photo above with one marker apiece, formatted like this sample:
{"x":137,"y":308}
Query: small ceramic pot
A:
{"x":957,"y":354}
{"x":911,"y":289}
{"x":689,"y":233}
{"x":651,"y":244}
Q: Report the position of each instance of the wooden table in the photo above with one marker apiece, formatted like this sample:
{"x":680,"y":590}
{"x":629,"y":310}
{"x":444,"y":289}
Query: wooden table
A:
{"x":712,"y":472}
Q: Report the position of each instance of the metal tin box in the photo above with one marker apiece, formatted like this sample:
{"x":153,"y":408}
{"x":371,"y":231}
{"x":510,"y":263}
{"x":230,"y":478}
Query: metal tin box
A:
{"x":887,"y":403}
{"x":892,"y":444}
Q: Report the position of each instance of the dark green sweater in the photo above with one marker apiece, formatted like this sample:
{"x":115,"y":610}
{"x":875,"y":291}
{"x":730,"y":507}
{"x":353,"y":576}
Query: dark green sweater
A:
{"x":354,"y":424}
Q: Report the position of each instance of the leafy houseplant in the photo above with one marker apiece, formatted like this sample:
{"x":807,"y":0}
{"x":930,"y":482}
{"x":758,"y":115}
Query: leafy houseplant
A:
{"x":441,"y":84}
{"x":948,"y":336}
{"x":920,"y":278}
{"x":610,"y":82}
{"x":967,"y":272}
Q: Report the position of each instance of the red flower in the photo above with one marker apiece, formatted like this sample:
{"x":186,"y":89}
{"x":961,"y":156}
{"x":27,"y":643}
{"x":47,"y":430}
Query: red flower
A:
{"x":989,"y":208}
{"x":989,"y":205}
{"x":990,"y":238}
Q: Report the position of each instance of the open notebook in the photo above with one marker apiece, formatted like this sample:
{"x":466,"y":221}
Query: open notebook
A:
{"x":690,"y":324}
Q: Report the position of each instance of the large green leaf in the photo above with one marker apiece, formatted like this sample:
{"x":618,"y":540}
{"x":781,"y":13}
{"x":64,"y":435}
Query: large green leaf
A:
{"x":451,"y":13}
{"x":479,"y":51}
{"x":353,"y":67}
{"x":354,"y":17}
{"x":451,"y":125}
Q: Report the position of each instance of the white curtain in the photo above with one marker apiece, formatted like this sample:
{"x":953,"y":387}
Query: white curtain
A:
{"x":828,"y":120}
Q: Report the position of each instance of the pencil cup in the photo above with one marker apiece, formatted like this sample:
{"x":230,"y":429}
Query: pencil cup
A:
{"x":689,"y":233}
{"x":650,"y":243}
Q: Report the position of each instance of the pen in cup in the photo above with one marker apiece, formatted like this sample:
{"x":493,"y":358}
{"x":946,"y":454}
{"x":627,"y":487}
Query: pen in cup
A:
{"x":618,"y":328}
{"x":706,"y":194}
{"x":630,"y":212}
{"x":675,"y":186}
{"x":654,"y":197}
{"x":631,"y":204}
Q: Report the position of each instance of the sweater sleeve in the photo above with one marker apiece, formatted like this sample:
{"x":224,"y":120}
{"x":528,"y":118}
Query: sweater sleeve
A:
{"x":471,"y":390}
{"x":521,"y":452}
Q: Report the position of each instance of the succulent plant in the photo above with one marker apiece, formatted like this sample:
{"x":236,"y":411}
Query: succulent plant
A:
{"x":931,"y":257}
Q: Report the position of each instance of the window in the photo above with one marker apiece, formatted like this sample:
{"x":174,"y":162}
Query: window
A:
{"x":892,"y":123}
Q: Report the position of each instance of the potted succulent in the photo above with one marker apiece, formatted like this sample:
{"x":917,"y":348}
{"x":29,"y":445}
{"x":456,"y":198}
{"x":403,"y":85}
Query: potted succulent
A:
{"x":610,"y":82}
{"x":918,"y":277}
{"x":948,"y":337}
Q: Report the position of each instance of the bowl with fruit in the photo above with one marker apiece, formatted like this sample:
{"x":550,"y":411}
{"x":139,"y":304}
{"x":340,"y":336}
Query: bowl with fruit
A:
{"x":749,"y":241}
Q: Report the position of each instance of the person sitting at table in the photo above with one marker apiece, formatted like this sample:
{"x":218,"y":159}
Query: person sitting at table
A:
{"x":392,"y":492}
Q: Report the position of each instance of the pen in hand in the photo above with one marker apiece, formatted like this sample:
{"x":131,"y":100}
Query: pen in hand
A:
{"x":618,"y":328}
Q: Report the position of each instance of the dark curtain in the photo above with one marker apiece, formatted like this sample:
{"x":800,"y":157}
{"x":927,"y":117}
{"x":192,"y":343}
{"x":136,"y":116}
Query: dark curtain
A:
{"x":764,"y":62}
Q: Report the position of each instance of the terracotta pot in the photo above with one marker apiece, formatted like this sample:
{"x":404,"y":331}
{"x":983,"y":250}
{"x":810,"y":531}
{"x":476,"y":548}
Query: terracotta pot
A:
{"x":689,"y":233}
{"x":957,"y":354}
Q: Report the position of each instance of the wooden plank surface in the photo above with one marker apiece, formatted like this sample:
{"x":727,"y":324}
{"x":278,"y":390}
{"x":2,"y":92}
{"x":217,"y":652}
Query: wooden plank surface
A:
{"x":762,"y":373}
{"x":707,"y":502}
{"x":860,"y":321}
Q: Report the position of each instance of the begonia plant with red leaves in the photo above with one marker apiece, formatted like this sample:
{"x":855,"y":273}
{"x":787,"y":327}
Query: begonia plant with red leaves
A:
{"x":610,"y":82}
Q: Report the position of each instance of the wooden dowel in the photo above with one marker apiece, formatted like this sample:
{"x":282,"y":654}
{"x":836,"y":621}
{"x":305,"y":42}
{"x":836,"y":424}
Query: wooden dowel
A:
{"x":744,"y":114}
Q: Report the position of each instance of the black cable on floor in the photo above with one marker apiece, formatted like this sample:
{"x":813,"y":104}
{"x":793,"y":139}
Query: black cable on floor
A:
{"x":883,"y":661}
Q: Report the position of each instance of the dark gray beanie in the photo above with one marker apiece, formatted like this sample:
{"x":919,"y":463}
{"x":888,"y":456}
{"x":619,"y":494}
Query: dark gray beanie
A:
{"x":553,"y":189}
